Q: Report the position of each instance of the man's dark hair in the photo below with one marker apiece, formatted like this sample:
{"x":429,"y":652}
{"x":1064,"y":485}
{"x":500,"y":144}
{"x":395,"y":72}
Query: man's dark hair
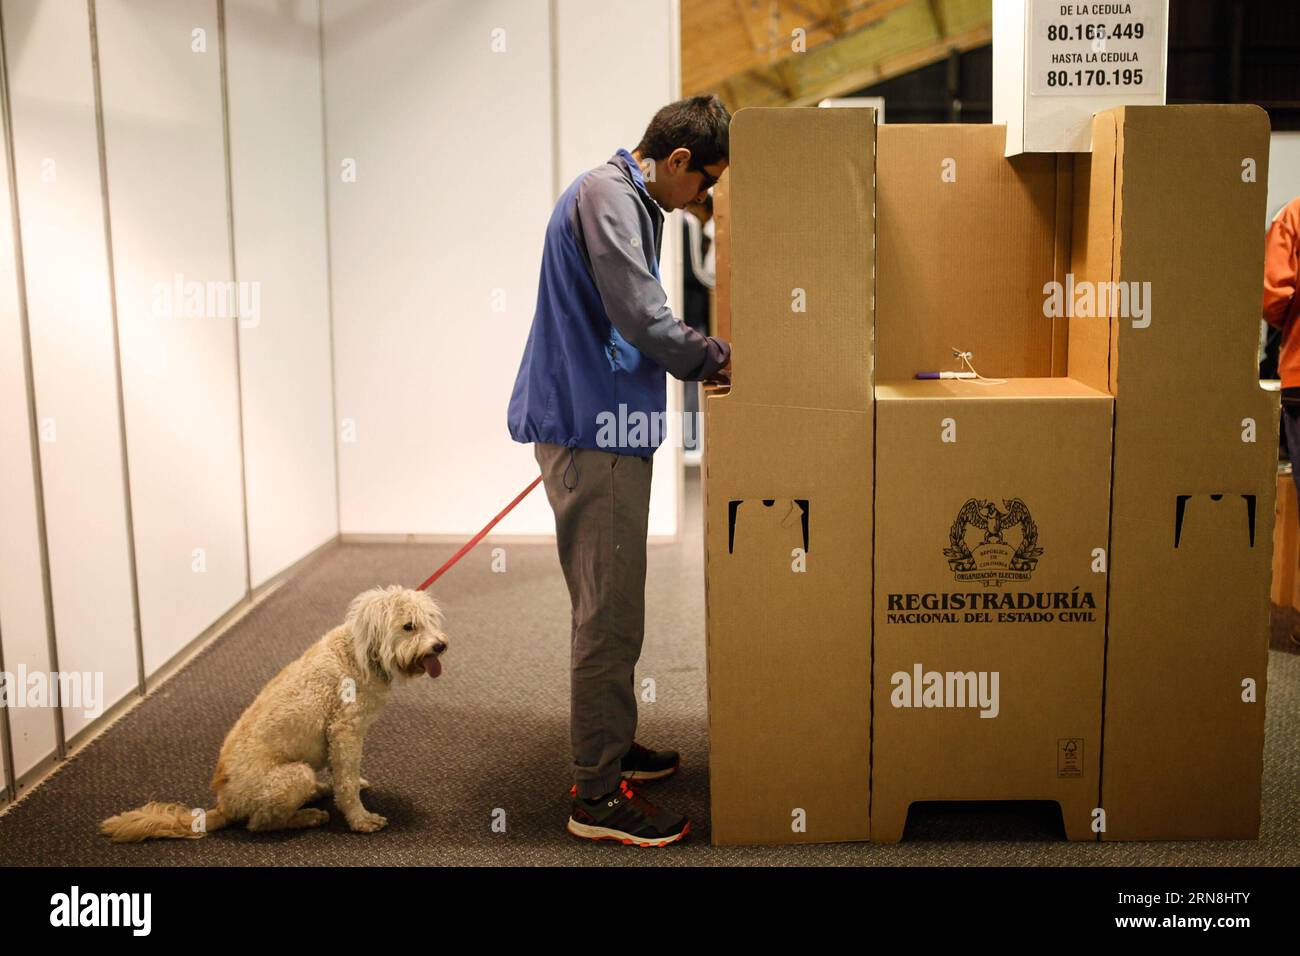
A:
{"x":698,"y":124}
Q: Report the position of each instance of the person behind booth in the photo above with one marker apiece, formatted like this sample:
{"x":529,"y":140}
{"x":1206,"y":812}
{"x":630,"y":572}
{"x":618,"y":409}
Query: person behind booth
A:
{"x":697,"y":284}
{"x":1281,"y":311}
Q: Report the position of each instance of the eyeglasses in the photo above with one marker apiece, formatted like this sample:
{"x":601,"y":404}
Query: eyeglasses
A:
{"x":709,"y":180}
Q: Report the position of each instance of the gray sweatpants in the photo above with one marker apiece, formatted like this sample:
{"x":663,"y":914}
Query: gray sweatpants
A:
{"x":602,"y":503}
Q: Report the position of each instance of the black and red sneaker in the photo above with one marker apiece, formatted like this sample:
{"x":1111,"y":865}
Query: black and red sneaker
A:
{"x":642,"y":764}
{"x":627,"y":817}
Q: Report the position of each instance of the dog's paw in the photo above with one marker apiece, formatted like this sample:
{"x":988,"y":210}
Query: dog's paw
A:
{"x":363,"y":784}
{"x":368,"y":823}
{"x":313,"y":817}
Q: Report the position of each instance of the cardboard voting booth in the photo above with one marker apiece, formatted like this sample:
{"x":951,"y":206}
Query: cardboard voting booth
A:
{"x":1048,"y":586}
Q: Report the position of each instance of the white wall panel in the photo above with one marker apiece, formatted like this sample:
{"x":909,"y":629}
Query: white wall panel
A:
{"x":452,"y":148}
{"x":56,"y":158}
{"x":167,"y":194}
{"x":278,"y":187}
{"x":618,"y":64}
{"x":22,"y":601}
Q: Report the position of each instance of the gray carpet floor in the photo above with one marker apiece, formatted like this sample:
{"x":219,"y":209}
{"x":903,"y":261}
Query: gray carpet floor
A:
{"x":491,"y":734}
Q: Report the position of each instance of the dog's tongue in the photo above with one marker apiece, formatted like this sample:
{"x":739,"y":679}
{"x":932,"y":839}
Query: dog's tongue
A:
{"x":431,"y":665}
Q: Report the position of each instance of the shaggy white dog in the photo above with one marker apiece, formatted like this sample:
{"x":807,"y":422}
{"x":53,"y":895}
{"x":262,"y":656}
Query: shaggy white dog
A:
{"x":311,"y":715}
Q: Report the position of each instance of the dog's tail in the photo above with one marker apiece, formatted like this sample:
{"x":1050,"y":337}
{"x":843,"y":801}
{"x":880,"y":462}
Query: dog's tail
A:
{"x":162,"y":820}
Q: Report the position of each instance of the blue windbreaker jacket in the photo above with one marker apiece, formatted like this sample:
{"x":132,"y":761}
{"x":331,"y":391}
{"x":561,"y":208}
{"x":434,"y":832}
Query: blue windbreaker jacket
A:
{"x":603,"y":335}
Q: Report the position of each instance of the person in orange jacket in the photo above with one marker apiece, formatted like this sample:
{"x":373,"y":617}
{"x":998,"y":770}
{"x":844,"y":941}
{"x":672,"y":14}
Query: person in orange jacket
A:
{"x":1282,"y":311}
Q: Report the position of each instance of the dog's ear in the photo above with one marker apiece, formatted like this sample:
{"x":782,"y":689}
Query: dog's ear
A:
{"x":431,"y":607}
{"x":369,"y":618}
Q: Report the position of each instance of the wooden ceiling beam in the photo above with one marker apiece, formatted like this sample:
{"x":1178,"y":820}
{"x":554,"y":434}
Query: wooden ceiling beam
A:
{"x":721,"y":38}
{"x":909,"y":35}
{"x":895,"y":66}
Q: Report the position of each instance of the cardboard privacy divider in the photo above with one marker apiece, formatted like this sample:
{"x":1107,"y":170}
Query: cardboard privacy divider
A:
{"x":788,"y":494}
{"x":1004,"y":565}
{"x":1195,"y":471}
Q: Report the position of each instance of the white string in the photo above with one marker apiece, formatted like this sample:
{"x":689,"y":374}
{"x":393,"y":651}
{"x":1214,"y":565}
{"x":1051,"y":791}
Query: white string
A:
{"x":978,"y":379}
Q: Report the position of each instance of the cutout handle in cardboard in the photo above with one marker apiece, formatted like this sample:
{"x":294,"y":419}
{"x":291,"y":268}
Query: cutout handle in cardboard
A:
{"x":1226,"y":522}
{"x":769,"y":522}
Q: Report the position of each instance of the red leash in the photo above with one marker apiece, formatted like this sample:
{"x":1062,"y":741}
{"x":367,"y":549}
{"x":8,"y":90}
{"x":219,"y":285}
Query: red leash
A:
{"x":465,"y":548}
